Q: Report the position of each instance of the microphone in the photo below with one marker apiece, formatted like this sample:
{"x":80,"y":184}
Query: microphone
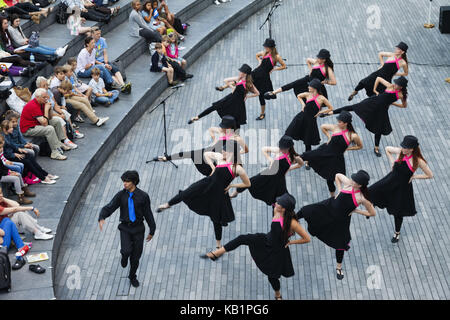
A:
{"x":178,"y":86}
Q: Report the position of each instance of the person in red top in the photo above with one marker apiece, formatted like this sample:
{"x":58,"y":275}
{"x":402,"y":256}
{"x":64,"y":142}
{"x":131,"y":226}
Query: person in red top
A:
{"x":36,"y":121}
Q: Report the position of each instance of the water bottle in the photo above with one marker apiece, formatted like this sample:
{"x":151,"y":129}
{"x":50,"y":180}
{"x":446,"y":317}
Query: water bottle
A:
{"x":32,"y":57}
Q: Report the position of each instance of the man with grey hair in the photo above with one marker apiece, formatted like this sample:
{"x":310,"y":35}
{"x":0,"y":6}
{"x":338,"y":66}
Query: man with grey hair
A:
{"x":36,"y":121}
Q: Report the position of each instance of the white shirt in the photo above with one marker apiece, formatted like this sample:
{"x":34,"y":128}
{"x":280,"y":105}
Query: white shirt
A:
{"x":85,"y":58}
{"x":55,"y":82}
{"x":97,"y":87}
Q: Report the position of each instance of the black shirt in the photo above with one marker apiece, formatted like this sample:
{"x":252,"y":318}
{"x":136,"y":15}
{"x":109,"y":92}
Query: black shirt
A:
{"x":142,"y":208}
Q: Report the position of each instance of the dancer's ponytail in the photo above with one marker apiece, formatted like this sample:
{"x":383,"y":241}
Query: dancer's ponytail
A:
{"x":404,"y":57}
{"x":328,"y":64}
{"x":365,"y":192}
{"x":287,"y":221}
{"x":405,"y":94}
{"x":292,"y":154}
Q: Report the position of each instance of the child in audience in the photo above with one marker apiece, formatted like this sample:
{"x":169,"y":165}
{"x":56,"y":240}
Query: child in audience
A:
{"x":17,"y":138}
{"x":171,"y":44}
{"x":58,"y":77}
{"x":99,"y":93}
{"x":79,"y":88}
{"x":160,"y":64}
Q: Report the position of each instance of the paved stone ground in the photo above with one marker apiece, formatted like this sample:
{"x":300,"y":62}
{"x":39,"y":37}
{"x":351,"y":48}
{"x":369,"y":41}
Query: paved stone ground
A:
{"x":415,"y":268}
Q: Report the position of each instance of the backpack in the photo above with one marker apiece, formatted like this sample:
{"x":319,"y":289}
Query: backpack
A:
{"x":33,"y":42}
{"x":61,"y":13}
{"x":5,"y":270}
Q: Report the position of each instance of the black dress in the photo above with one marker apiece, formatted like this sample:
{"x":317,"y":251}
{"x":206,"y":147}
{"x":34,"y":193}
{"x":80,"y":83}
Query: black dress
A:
{"x":301,"y":85}
{"x":261,"y":77}
{"x":304,"y":125}
{"x":394,"y":191}
{"x":328,"y":159}
{"x":207,"y":196}
{"x":374,"y":111}
{"x":387,"y":71}
{"x":233,"y":104}
{"x":329,"y":220}
{"x":269,"y":252}
{"x":270,"y":183}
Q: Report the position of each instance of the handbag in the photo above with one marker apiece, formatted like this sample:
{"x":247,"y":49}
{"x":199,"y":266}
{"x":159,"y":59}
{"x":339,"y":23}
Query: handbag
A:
{"x":14,"y":102}
{"x":23,"y":93}
{"x":33,"y":42}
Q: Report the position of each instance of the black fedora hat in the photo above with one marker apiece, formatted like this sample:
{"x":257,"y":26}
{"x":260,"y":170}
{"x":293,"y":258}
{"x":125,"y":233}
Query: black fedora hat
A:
{"x":409,"y":142}
{"x":228,"y":122}
{"x":286,"y":201}
{"x":323,"y":54}
{"x":245,"y":68}
{"x":285,"y":142}
{"x":361,"y":177}
{"x":315,"y":83}
{"x":269,"y":43}
{"x":401,"y":81}
{"x":345,"y":116}
{"x":402,"y":46}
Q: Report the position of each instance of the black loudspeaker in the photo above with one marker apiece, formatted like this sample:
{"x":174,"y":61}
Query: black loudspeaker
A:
{"x":444,"y":19}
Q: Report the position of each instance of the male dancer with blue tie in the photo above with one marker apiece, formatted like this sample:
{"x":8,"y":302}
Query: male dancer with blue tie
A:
{"x":134,"y":207}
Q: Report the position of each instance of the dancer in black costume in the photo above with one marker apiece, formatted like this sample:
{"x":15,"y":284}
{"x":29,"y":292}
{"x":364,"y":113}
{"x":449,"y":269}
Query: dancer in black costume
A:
{"x":233,"y":104}
{"x":395,"y":191}
{"x":267,"y":59}
{"x":304,"y":125}
{"x":271,"y":183}
{"x":320,"y":68}
{"x":374,"y":111}
{"x":271,"y":251}
{"x":209,"y":196}
{"x":330,"y":219}
{"x":328,"y":159}
{"x":395,"y":61}
{"x":226,"y":131}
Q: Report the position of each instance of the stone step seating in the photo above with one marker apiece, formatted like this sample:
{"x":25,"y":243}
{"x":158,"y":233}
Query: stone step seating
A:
{"x":57,"y":202}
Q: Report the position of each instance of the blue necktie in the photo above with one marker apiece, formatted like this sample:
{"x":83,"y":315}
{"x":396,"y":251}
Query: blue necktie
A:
{"x":131,"y":208}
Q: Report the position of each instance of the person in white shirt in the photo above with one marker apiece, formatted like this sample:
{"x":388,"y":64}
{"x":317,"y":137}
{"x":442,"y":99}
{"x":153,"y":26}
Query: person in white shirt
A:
{"x":99,"y":93}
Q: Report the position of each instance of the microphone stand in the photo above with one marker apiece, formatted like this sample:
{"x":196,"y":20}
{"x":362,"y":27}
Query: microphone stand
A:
{"x":163,"y":103}
{"x":275,"y":5}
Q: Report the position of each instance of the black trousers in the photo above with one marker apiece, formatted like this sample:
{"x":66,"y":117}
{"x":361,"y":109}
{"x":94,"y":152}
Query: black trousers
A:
{"x":30,"y":165}
{"x":207,"y":111}
{"x":398,"y":223}
{"x":331,"y":186}
{"x":340,"y":256}
{"x":217,"y":226}
{"x":246,"y":239}
{"x":150,"y":35}
{"x":178,"y":70}
{"x":132,"y":244}
{"x":22,"y":10}
{"x":17,"y":61}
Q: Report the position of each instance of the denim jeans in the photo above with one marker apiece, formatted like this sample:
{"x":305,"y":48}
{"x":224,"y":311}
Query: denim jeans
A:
{"x":11,"y":233}
{"x":104,"y":73}
{"x":105,"y":100}
{"x":16,"y":166}
{"x":42,"y":50}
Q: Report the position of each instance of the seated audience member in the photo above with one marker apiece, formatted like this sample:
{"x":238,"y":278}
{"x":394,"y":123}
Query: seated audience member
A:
{"x":86,"y":62}
{"x":13,"y":48}
{"x":138,"y":27}
{"x":99,"y":93}
{"x":41,"y":82}
{"x":15,"y":178}
{"x":57,"y":77}
{"x":81,"y":104}
{"x":23,"y":219}
{"x":171,"y":44}
{"x":27,"y":10}
{"x":80,"y":87}
{"x":89,"y":12}
{"x":154,"y":24}
{"x":9,"y":233}
{"x":20,"y":156}
{"x":19,"y":39}
{"x":102,"y":58}
{"x":75,"y":23}
{"x":156,"y":18}
{"x":17,"y":138}
{"x":160,"y":64}
{"x":20,"y":67}
{"x":179,"y":72}
{"x":36,"y":121}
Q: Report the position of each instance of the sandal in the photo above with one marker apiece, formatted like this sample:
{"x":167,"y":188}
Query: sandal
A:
{"x":36,"y":268}
{"x":192,"y":120}
{"x":307,"y":167}
{"x":213,"y":258}
{"x":396,"y":237}
{"x":261,"y":116}
{"x":354,"y":93}
{"x":162,"y":208}
{"x":269,"y":95}
{"x":280,"y":297}
{"x":18,"y":264}
{"x":220,"y":88}
{"x":339,"y":274}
